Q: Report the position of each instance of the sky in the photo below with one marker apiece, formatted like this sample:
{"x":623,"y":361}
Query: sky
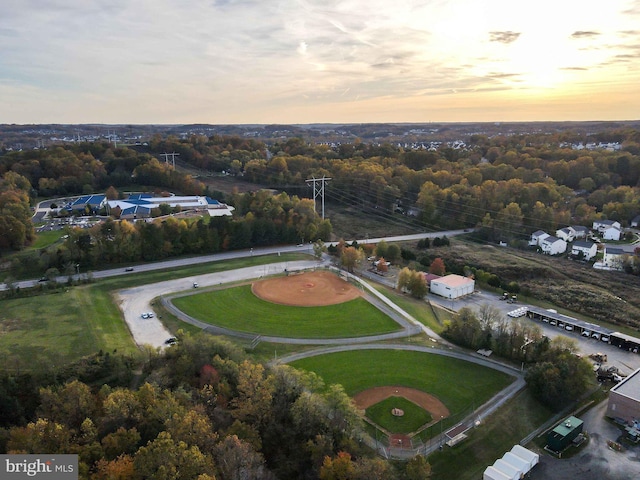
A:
{"x":318,"y":61}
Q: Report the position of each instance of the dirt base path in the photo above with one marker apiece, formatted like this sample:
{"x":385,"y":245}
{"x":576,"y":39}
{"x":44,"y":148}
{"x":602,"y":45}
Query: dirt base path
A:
{"x":431,"y":404}
{"x":309,"y":289}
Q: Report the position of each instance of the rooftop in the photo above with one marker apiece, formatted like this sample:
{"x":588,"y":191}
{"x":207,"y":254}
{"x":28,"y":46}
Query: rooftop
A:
{"x":453,"y":280}
{"x":568,"y":426}
{"x":630,"y":386}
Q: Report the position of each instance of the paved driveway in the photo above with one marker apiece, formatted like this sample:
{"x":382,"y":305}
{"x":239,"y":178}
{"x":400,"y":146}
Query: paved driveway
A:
{"x":596,"y":461}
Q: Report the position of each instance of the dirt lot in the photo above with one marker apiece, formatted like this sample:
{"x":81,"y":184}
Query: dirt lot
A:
{"x":431,"y":404}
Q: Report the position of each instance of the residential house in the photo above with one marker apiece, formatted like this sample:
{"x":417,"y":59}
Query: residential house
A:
{"x":611,"y":233}
{"x":584,"y":249}
{"x":601,"y":225}
{"x":613,"y":258}
{"x":580,"y":231}
{"x":553,"y":246}
{"x":537,"y":237}
{"x":635,"y":223}
{"x":567,"y":234}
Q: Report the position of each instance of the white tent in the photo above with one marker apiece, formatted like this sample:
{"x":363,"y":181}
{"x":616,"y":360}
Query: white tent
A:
{"x":517,"y":462}
{"x":509,"y":470}
{"x":531,"y":457}
{"x":491,"y":473}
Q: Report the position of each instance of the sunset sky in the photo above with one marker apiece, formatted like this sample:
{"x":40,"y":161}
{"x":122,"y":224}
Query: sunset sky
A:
{"x":306,"y":61}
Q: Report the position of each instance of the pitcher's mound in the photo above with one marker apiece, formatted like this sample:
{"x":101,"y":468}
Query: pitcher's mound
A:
{"x":309,"y":289}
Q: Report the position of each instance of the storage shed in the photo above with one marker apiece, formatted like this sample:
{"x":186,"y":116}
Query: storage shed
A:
{"x":452,"y":286}
{"x":526,"y":454}
{"x":509,"y":470}
{"x":517,"y":462}
{"x":561,"y":437}
{"x":492,"y":473}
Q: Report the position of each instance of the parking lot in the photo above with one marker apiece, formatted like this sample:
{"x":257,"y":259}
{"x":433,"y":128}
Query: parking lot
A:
{"x":625,"y":361}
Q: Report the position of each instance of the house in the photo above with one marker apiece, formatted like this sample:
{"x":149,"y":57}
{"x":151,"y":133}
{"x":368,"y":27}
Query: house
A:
{"x":567,"y":234}
{"x":611,"y":233}
{"x":624,"y":399}
{"x":613,"y":258}
{"x":553,"y":246}
{"x":584,"y":249}
{"x":580,"y":231}
{"x":452,"y":286}
{"x":537,"y":237}
{"x":601,"y":225}
{"x":635,"y":223}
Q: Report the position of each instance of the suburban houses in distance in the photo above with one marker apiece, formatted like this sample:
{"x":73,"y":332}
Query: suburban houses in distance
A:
{"x":582,"y":242}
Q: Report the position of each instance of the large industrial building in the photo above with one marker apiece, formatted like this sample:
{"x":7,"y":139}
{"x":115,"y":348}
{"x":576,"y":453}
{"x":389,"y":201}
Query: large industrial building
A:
{"x":624,"y":400}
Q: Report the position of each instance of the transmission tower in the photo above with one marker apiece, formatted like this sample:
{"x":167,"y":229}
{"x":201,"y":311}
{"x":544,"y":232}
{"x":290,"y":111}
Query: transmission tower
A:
{"x":173,"y":158}
{"x":318,"y":190}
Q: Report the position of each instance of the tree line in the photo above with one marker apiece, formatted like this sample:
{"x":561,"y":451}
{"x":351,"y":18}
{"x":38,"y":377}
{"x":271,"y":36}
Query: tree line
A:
{"x":203,"y":411}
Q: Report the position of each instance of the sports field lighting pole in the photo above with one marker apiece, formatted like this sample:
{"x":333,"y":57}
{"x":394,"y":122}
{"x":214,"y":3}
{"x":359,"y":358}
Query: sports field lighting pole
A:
{"x":441,"y":420}
{"x":78,"y":269}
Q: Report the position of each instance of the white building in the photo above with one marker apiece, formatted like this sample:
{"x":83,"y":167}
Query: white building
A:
{"x":580,"y":231}
{"x":537,"y":237}
{"x":567,"y":234}
{"x":553,"y":246}
{"x":452,"y":286}
{"x":613,"y":258}
{"x":611,"y":233}
{"x":602,"y":225}
{"x":587,"y":249}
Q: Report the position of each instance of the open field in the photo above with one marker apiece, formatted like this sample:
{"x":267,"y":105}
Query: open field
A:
{"x":458,"y":384}
{"x":610,"y":297}
{"x":58,"y":328}
{"x":221,"y":307}
{"x":63,"y":325}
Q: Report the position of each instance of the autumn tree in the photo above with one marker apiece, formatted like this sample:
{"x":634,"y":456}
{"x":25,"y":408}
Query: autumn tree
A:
{"x":351,"y":257}
{"x":437,"y":267}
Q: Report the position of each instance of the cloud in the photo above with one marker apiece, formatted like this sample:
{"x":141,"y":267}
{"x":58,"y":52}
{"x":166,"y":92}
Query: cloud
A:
{"x":584,"y":34}
{"x":504,"y":37}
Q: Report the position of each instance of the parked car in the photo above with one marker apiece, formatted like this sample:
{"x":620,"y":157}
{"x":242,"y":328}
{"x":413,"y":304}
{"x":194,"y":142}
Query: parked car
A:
{"x":128,"y":269}
{"x":195,"y":284}
{"x":171,"y":341}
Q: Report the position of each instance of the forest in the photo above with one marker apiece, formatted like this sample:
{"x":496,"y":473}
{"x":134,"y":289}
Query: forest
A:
{"x":202,"y":410}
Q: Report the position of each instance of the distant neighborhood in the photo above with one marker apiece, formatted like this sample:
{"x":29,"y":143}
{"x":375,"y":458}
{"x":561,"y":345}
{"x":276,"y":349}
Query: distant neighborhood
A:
{"x":582,"y":243}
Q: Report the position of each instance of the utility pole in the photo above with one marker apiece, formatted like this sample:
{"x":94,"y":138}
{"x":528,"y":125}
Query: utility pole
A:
{"x":173,"y":158}
{"x":318,"y":190}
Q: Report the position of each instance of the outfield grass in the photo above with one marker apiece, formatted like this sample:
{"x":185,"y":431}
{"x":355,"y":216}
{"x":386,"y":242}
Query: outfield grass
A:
{"x":239,"y":309}
{"x":414,"y":416}
{"x":458,"y":384}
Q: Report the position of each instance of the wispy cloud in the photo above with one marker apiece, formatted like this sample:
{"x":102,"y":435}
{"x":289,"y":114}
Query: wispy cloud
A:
{"x":504,"y":37}
{"x":584,"y":34}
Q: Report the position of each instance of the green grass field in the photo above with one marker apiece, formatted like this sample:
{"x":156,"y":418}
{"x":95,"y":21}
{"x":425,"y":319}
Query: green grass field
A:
{"x":414,"y":416}
{"x":60,"y":327}
{"x":458,"y":384}
{"x":239,"y":309}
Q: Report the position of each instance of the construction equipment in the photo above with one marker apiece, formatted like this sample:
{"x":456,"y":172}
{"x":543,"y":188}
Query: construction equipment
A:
{"x":598,"y":357}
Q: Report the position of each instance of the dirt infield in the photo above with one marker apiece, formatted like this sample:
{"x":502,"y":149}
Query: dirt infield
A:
{"x":308,"y":289}
{"x":431,"y":404}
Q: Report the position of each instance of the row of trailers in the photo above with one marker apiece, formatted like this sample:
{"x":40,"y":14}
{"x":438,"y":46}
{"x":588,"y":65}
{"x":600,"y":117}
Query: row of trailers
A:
{"x":586,"y":329}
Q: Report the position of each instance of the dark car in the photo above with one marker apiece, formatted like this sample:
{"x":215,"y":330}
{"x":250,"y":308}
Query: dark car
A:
{"x":128,"y":269}
{"x":171,"y":341}
{"x":43,"y":279}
